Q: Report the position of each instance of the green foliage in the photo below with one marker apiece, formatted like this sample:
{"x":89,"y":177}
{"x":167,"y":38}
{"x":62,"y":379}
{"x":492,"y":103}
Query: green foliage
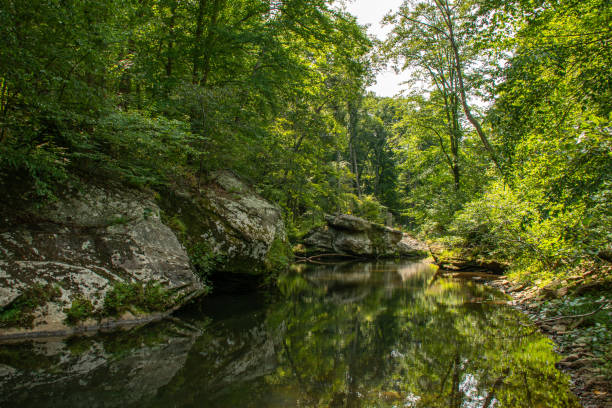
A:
{"x":494,"y":226}
{"x":553,"y":119}
{"x":542,"y":240}
{"x":177,"y":225}
{"x":136,"y":298}
{"x":279,"y":256}
{"x":143,"y":92}
{"x":548,"y":116}
{"x":80,"y":309}
{"x":137,"y":149}
{"x":298,"y":228}
{"x":43,"y":166}
{"x":366,"y":206}
{"x":52,"y":59}
{"x":119,"y":220}
{"x":204,"y":260}
{"x":20,"y":312}
{"x":121,"y":298}
{"x":431,"y":190}
{"x":146,"y":213}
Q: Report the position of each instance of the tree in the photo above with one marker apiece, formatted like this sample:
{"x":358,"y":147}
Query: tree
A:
{"x":435,"y":36}
{"x":53,"y":61}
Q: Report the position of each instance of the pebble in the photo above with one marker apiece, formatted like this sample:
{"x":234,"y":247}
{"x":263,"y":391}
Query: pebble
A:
{"x":593,"y":389}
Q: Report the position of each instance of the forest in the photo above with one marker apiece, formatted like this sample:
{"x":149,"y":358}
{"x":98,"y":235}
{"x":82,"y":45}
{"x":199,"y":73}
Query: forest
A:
{"x":499,"y":147}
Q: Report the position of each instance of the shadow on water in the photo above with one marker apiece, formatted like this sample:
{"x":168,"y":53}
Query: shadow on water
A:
{"x":383,"y":334}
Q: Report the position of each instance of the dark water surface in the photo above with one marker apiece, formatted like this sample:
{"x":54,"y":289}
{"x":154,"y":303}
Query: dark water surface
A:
{"x":382,"y":334}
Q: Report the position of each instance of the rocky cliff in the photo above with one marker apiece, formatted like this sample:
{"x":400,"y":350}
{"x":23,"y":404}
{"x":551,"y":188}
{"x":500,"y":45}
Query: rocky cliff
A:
{"x":88,"y":255}
{"x":105,"y":255}
{"x":227,"y":218}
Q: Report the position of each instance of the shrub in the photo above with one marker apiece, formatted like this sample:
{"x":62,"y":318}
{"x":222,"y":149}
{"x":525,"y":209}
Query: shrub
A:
{"x":204,"y":260}
{"x":541,"y":239}
{"x":366,"y":207}
{"x":20,"y":312}
{"x":80,"y":310}
{"x":136,"y":297}
{"x":279,"y":256}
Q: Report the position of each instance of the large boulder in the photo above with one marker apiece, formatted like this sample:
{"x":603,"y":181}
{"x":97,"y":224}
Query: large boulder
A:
{"x":348,"y":222}
{"x":79,"y":249}
{"x":233,"y":222}
{"x":108,"y":255}
{"x":349,"y":235}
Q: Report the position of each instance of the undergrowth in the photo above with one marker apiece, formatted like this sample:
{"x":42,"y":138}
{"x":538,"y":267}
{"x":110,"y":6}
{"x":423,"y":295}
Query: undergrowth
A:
{"x":20,"y":312}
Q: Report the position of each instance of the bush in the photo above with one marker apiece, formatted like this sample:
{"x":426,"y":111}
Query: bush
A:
{"x":539,"y":238}
{"x":494,"y":225}
{"x":137,"y":298}
{"x":43,"y":167}
{"x":138,"y":149}
{"x":20,"y":312}
{"x":279,"y":256}
{"x":366,"y":207}
{"x":80,"y":310}
{"x":204,"y":260}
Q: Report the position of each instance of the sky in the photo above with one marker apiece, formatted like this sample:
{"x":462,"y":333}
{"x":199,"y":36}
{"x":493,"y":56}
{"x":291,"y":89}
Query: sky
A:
{"x":371,"y":12}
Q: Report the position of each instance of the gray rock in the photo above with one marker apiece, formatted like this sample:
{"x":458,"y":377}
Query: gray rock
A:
{"x":92,"y":238}
{"x":350,"y":235}
{"x":321,"y":238}
{"x":247,"y":216}
{"x":85,"y":243}
{"x":233,"y":221}
{"x":348,"y":222}
{"x":353,"y":242}
{"x":409,"y":246}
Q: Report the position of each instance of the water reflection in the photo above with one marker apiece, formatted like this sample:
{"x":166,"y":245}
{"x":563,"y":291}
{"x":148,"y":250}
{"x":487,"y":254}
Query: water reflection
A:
{"x":353,"y":335}
{"x":109,"y":370}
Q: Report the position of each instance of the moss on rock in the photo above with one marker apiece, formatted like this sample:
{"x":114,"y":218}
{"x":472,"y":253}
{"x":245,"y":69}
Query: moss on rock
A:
{"x":20,"y":312}
{"x":227,"y":227}
{"x":80,"y":309}
{"x":279,"y":256}
{"x":136,"y":298}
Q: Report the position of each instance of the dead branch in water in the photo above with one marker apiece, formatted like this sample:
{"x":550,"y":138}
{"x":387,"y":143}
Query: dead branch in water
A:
{"x":435,"y":258}
{"x":314,"y":258}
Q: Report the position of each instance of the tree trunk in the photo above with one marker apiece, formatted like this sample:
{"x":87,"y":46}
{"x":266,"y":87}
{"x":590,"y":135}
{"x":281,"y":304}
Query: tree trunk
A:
{"x":170,"y":49}
{"x":455,"y":140}
{"x":352,"y":129}
{"x":3,"y":109}
{"x":448,"y":21}
{"x":197,"y":47}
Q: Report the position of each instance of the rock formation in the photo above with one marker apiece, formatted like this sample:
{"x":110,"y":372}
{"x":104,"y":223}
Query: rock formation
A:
{"x":79,"y":248}
{"x":350,"y":235}
{"x":233,"y":221}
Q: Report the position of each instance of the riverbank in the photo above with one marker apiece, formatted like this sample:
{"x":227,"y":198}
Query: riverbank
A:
{"x":580,"y":338}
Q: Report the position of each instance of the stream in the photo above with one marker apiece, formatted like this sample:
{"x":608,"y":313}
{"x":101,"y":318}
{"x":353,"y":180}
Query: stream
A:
{"x":380,"y":334}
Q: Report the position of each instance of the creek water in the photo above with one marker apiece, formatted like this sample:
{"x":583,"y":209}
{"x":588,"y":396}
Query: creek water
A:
{"x":383,"y":334}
